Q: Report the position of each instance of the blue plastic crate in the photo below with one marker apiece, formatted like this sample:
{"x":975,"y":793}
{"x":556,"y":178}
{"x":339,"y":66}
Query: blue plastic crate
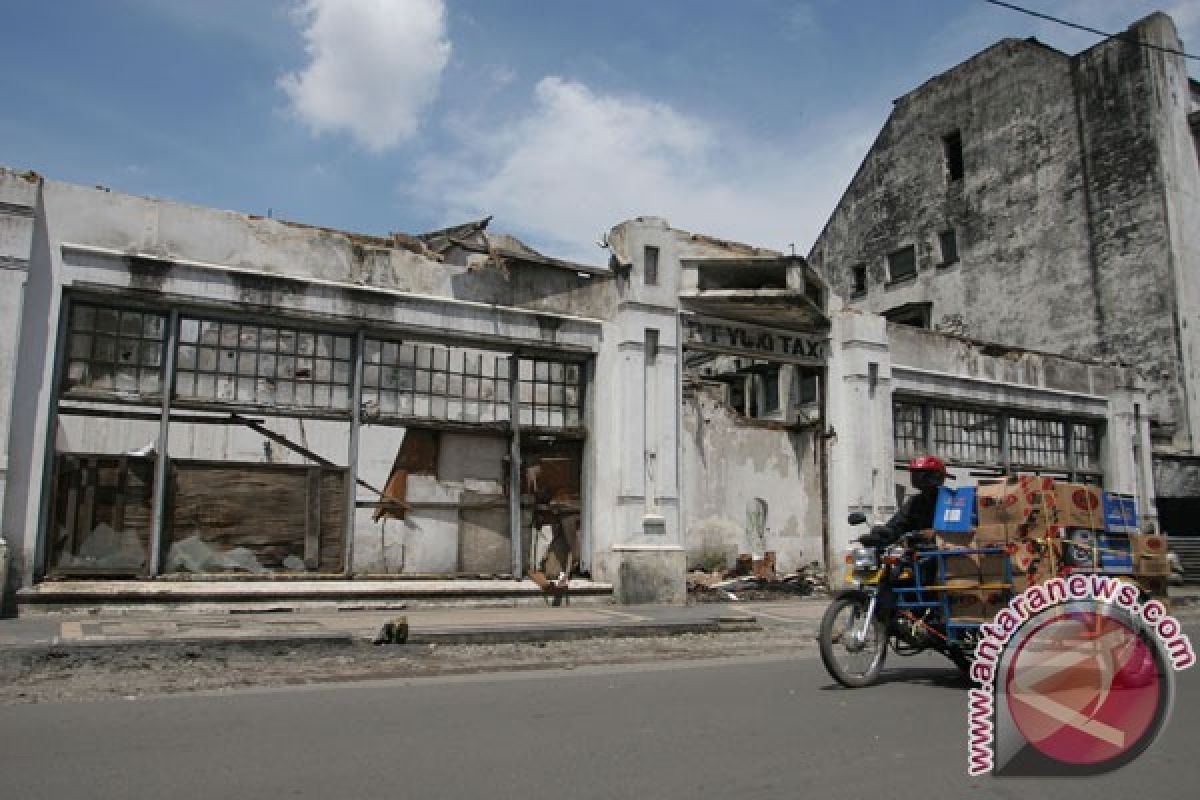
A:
{"x":1120,"y":513}
{"x":955,"y":510}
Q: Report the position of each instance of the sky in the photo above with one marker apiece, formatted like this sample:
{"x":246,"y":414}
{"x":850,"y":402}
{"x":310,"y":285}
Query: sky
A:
{"x":561,"y":118}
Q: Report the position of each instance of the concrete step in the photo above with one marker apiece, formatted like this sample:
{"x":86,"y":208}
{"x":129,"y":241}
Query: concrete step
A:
{"x":233,"y":596}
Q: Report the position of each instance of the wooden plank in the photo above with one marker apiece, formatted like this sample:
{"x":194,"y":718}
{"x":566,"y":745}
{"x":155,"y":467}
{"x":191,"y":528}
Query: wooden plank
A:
{"x":70,"y":518}
{"x":312,"y":521}
{"x":118,"y":513}
{"x":87,"y":510}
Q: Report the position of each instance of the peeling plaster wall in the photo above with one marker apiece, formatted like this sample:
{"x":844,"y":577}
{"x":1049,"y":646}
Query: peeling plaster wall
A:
{"x":1018,"y":212}
{"x":72,"y":237}
{"x":1077,"y":218}
{"x":728,"y":465}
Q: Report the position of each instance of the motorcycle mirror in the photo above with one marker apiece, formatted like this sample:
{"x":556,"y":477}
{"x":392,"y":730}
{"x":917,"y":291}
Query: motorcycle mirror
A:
{"x":857,"y":518}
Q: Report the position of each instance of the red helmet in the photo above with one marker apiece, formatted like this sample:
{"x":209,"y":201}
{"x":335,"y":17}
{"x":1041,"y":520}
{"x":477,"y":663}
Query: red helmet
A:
{"x":928,"y":464}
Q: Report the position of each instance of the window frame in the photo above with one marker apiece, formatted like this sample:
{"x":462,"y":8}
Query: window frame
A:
{"x":892,"y":258}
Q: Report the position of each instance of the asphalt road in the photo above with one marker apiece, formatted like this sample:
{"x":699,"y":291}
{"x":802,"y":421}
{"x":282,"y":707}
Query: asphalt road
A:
{"x":745,"y":728}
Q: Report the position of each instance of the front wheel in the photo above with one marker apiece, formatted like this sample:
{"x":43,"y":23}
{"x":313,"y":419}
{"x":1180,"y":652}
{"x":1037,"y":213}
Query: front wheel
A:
{"x":853,"y":659}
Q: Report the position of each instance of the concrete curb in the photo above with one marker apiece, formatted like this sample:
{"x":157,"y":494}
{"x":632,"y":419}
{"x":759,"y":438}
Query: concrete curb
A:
{"x":579,"y":632}
{"x":428,"y":637}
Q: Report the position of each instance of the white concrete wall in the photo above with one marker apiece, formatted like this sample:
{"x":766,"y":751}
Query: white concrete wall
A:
{"x":82,"y":237}
{"x":728,"y":465}
{"x":935,"y":367}
{"x":633,"y":465}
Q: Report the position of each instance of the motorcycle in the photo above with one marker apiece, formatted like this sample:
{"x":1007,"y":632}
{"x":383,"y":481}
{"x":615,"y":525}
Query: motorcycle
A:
{"x":884,"y":610}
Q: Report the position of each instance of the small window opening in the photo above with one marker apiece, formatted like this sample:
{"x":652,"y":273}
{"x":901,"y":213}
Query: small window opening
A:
{"x":902,"y":263}
{"x":952,"y":148}
{"x":948,"y":244}
{"x":860,"y":279}
{"x":650,"y":264}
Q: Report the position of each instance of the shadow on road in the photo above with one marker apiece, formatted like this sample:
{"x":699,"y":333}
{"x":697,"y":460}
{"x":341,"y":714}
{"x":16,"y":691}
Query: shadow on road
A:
{"x":928,"y":676}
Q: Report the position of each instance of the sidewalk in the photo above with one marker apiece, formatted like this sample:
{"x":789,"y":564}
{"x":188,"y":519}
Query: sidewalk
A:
{"x":329,"y":627}
{"x":425,"y":626}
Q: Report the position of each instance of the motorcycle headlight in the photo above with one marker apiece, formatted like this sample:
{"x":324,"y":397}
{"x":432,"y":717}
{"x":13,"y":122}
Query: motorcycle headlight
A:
{"x":864,"y":558}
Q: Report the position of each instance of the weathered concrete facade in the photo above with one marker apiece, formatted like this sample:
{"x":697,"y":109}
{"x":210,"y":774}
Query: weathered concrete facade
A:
{"x":1052,"y":202}
{"x":198,"y":391}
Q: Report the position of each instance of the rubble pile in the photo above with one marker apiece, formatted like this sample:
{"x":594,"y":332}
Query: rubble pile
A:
{"x":754,"y":579}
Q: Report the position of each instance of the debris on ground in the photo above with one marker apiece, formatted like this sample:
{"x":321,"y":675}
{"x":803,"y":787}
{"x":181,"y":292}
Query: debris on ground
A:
{"x":754,"y":579}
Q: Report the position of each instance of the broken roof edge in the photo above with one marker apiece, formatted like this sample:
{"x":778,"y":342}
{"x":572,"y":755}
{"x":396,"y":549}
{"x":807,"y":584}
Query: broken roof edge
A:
{"x":743,"y":249}
{"x":474,"y":237}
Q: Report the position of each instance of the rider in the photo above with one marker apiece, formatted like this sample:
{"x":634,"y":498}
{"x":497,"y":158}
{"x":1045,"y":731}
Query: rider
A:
{"x":926,"y":474}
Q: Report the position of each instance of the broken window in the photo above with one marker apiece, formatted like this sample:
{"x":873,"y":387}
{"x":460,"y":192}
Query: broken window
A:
{"x":908,"y":423}
{"x":1086,"y":441}
{"x":429,"y":381}
{"x":963,"y":436}
{"x":902,"y":263}
{"x":114,"y":350}
{"x":948,"y":244}
{"x":860,"y":278}
{"x":916,"y":315}
{"x":221,"y":361}
{"x":550,"y":393}
{"x":1037,"y":442}
{"x":650,"y":265}
{"x":953,"y":152}
{"x":983,"y":438}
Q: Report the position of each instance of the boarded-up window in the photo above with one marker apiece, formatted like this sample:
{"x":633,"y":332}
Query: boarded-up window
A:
{"x":263,"y":365}
{"x":114,"y":351}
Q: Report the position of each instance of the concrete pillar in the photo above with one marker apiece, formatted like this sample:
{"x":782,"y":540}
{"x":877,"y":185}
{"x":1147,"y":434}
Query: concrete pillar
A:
{"x":858,"y":426}
{"x":637,"y":535}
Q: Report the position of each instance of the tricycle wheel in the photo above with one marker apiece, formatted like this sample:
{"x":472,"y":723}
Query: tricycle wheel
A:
{"x":851,"y":661}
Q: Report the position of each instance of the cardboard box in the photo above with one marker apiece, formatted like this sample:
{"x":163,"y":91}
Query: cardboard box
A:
{"x":976,"y":568}
{"x":955,"y":510}
{"x":1000,"y":502}
{"x":976,"y":605}
{"x":996,"y":535}
{"x":1012,"y":501}
{"x":1151,"y":565}
{"x":1078,"y":505}
{"x":1148,"y":544}
{"x":1022,"y":554}
{"x":1120,"y":513}
{"x":948,"y":540}
{"x":1149,"y":554}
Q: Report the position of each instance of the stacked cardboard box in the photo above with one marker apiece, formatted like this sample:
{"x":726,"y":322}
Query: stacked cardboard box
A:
{"x":1045,"y":527}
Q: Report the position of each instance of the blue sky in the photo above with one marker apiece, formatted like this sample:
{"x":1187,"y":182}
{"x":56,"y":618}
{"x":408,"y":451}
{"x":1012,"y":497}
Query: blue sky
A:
{"x":743,"y":120}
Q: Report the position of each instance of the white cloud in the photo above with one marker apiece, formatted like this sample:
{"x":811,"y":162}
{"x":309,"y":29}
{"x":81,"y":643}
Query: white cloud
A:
{"x":578,"y":162}
{"x":374,"y":67}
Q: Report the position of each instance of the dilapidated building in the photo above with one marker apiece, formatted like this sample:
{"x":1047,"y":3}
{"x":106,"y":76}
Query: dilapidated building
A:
{"x":200,"y":401}
{"x":1048,"y":202}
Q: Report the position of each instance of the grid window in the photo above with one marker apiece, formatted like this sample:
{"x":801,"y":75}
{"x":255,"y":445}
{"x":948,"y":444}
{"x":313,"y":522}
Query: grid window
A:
{"x":114,"y":350}
{"x":1086,"y":441}
{"x":430,"y":381}
{"x":263,"y":365}
{"x":909,"y":426}
{"x":971,"y":437}
{"x":550,"y":393}
{"x":1037,"y":442}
